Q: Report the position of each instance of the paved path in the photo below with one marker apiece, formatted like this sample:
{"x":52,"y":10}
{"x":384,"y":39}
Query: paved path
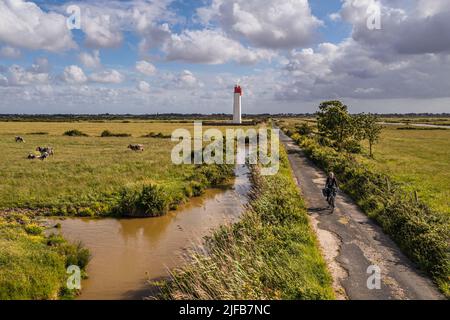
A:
{"x":351,"y":242}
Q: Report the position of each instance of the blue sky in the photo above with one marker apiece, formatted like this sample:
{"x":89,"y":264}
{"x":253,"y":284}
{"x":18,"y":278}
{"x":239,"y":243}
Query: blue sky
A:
{"x":147,"y":56}
{"x":127,"y":54}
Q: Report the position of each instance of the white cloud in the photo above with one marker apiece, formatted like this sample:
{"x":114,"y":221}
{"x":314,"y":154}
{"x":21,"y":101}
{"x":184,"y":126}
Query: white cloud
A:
{"x":153,"y":36}
{"x":23,"y":24}
{"x":10,"y":52}
{"x":408,"y":27}
{"x":351,"y":70}
{"x":144,"y":87}
{"x":18,"y":76}
{"x":102,"y":30}
{"x":105,"y":21}
{"x":74,"y":75}
{"x":89,"y":60}
{"x":145,"y":67}
{"x":210,"y":47}
{"x":264,"y":23}
{"x":409,"y":58}
{"x":186,"y":80}
{"x":107,"y":76}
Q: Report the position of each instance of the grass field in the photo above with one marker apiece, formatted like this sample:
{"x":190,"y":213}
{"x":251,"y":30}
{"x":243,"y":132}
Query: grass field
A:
{"x":84,"y":171}
{"x":420,"y":159}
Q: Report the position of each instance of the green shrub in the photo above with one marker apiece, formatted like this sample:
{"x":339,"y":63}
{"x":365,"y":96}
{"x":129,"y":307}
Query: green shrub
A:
{"x":150,"y":201}
{"x":127,"y":199}
{"x":75,"y":133}
{"x":196,"y":188}
{"x":352,"y":146}
{"x":153,"y":201}
{"x":33,"y":229}
{"x":85,"y":212}
{"x":75,"y":254}
{"x":159,"y":135}
{"x":107,"y":133}
{"x":39,"y":133}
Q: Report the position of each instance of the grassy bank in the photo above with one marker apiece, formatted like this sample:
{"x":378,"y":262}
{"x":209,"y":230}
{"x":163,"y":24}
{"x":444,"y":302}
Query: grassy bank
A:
{"x":421,"y":233}
{"x":33,"y":265}
{"x":272,"y":253}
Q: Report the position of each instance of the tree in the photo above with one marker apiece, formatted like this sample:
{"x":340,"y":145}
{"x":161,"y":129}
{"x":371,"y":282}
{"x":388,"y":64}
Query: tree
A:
{"x":369,"y":129}
{"x":334,"y":122}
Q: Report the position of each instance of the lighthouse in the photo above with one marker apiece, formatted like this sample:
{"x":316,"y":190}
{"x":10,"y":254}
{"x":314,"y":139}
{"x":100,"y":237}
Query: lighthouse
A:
{"x":237,"y":107}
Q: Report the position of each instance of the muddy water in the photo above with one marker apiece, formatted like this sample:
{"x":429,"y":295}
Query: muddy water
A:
{"x":128,"y":252}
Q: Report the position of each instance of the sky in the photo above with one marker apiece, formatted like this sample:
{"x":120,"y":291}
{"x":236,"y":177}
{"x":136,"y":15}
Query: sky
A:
{"x":179,"y":56}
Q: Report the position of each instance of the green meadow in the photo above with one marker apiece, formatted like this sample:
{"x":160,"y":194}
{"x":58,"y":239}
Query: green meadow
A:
{"x":420,"y":160}
{"x":85,"y":171}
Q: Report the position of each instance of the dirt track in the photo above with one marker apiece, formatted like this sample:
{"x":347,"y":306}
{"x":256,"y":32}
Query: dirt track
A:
{"x":351,"y":243}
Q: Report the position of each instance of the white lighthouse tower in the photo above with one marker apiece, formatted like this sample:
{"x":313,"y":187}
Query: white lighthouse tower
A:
{"x":237,"y":107}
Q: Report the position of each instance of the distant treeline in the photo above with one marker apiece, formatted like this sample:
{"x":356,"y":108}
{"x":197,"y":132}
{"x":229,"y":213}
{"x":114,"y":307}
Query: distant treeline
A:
{"x":381,"y":115}
{"x":179,"y":117}
{"x":175,"y":117}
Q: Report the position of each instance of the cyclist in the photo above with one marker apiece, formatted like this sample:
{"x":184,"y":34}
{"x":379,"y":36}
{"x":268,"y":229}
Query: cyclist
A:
{"x":331,"y":186}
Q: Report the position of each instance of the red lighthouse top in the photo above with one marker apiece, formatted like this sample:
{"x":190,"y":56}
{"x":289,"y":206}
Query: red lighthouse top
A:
{"x":238,"y":89}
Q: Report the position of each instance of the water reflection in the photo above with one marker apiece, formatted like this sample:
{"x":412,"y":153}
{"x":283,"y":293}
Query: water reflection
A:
{"x":126,"y":252}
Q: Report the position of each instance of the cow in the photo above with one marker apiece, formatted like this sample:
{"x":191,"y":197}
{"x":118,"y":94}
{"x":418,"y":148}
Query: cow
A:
{"x":19,"y":139}
{"x":136,"y":147}
{"x":31,"y":156}
{"x":44,"y":156}
{"x":43,"y":150}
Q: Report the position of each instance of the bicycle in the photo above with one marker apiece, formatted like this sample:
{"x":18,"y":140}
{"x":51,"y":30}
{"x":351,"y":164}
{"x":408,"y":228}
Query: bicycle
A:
{"x":330,"y":194}
{"x":332,"y":200}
